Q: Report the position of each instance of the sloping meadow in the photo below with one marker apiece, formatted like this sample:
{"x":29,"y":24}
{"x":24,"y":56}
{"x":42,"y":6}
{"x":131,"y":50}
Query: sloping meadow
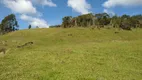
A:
{"x":72,"y":54}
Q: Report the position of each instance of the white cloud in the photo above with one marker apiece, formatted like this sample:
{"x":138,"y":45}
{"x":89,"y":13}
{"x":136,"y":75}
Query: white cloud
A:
{"x":113,"y":3}
{"x":35,"y":21}
{"x":20,"y":6}
{"x":45,"y":3}
{"x":109,"y":12}
{"x":80,"y":6}
{"x":25,"y":8}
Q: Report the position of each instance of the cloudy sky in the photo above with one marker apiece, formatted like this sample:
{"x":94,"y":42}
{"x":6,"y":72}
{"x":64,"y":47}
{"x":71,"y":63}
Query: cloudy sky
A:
{"x":44,"y":13}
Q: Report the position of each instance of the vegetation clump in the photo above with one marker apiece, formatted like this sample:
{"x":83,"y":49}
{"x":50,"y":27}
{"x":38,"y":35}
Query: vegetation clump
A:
{"x":26,"y":44}
{"x":101,"y":20}
{"x":3,"y":50}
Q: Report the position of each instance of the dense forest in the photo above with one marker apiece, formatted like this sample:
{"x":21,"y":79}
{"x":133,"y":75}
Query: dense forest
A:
{"x":101,"y":20}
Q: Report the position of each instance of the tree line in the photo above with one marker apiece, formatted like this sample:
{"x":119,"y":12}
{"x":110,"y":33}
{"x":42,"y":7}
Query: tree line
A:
{"x":101,"y":20}
{"x":126,"y":22}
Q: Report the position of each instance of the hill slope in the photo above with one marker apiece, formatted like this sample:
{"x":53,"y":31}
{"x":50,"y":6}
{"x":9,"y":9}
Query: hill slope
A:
{"x":72,"y":54}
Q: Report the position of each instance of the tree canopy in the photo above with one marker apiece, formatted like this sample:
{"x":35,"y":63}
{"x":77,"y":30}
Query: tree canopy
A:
{"x":8,"y":24}
{"x":30,"y":27}
{"x":125,"y":22}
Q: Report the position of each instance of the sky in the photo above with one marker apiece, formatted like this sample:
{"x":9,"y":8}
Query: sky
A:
{"x":43,"y":13}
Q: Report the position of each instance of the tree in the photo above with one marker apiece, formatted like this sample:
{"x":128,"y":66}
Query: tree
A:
{"x":137,"y":20}
{"x":116,"y":21}
{"x":66,"y":21}
{"x":55,"y":26}
{"x":85,"y":20}
{"x":125,"y":24}
{"x":37,"y":27}
{"x":8,"y":24}
{"x":30,"y":27}
{"x":0,"y":30}
{"x":102,"y":19}
{"x":125,"y":16}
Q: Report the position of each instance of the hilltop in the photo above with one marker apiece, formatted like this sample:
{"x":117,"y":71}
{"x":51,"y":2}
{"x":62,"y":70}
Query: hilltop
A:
{"x":72,"y":54}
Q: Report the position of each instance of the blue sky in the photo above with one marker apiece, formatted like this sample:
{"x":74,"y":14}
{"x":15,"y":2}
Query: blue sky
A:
{"x":51,"y":12}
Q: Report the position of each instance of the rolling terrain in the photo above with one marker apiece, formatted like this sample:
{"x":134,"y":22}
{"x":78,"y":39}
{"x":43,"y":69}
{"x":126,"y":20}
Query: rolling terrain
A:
{"x":72,"y":54}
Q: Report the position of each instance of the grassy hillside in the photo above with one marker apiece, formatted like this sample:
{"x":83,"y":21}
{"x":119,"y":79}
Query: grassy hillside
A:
{"x":72,"y":54}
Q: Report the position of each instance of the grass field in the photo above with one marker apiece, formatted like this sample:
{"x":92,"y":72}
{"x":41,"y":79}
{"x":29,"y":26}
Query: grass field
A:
{"x":72,"y":54}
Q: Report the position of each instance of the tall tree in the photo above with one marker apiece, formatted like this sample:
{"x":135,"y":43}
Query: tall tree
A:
{"x":0,"y":30}
{"x":116,"y":21}
{"x":37,"y":27}
{"x":66,"y":21}
{"x":9,"y":23}
{"x":85,"y":20}
{"x":138,"y":20}
{"x":102,"y":19}
{"x":30,"y":27}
